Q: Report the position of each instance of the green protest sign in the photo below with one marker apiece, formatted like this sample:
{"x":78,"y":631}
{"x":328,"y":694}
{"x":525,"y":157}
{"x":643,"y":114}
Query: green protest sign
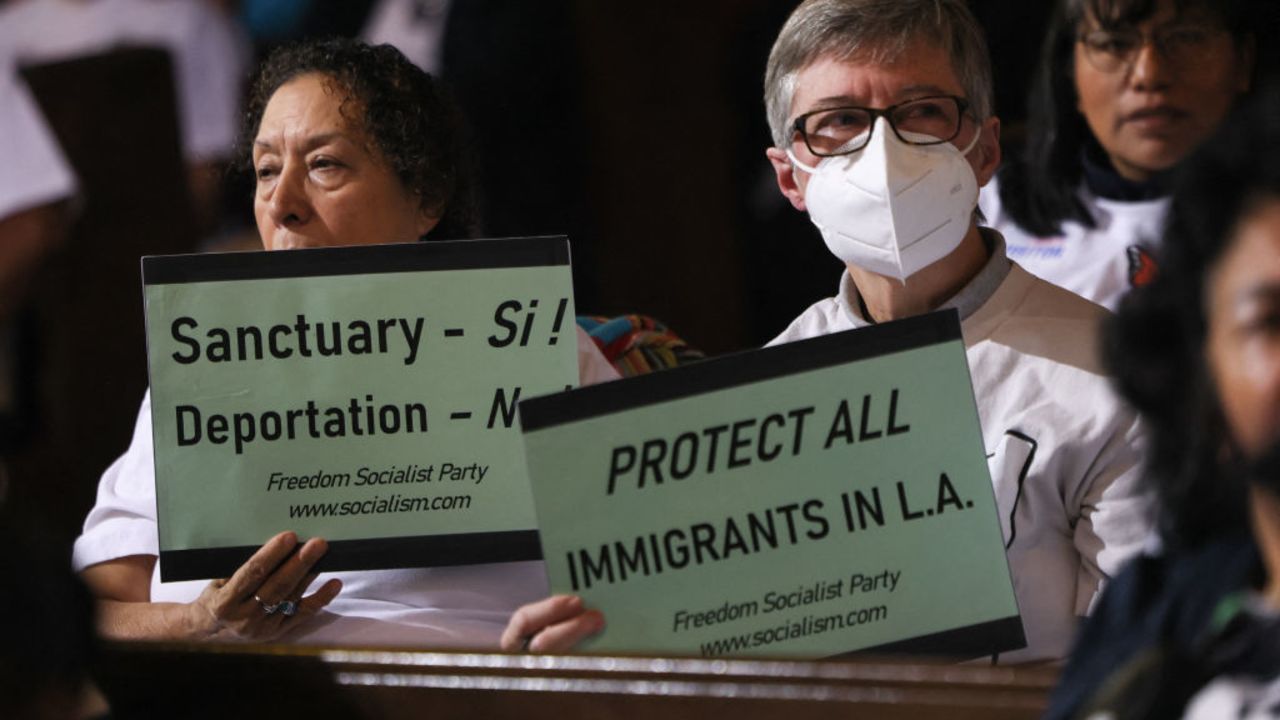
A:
{"x":807,"y":500}
{"x":366,"y":395}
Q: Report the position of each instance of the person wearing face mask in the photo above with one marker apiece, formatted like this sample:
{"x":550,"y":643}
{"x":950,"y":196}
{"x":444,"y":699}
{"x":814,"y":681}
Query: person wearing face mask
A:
{"x":1125,"y":90}
{"x":883,"y":133}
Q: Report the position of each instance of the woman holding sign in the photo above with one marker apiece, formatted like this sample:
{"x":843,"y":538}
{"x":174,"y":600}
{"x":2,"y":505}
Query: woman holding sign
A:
{"x":349,"y":144}
{"x":1195,"y":630}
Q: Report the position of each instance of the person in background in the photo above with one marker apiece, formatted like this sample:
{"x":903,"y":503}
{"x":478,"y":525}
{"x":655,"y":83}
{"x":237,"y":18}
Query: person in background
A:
{"x":350,"y":144}
{"x":1194,"y":631}
{"x":209,"y":63}
{"x":36,"y":189}
{"x":1124,"y":91}
{"x":882,"y":124}
{"x":35,"y":181}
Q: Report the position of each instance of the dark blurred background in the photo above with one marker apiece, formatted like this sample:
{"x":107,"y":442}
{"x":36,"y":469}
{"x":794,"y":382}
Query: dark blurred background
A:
{"x":636,"y":128}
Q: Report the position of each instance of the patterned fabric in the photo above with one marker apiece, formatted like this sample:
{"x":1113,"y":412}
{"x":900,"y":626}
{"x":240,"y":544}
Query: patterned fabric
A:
{"x":638,"y":344}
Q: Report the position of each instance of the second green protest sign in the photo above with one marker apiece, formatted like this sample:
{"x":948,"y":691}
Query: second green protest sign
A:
{"x":809,"y":500}
{"x":366,"y":395}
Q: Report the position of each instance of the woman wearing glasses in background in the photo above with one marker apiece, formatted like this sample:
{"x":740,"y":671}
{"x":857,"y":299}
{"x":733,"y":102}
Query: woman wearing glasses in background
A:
{"x":1194,"y":631}
{"x":1125,"y":90}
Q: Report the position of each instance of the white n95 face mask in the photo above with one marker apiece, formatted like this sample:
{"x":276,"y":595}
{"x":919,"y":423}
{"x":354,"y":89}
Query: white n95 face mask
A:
{"x":891,"y":207}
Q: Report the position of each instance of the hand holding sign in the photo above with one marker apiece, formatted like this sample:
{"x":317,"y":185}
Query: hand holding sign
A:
{"x":809,"y":500}
{"x":227,"y":609}
{"x":248,"y":605}
{"x":364,"y":394}
{"x":552,"y":625}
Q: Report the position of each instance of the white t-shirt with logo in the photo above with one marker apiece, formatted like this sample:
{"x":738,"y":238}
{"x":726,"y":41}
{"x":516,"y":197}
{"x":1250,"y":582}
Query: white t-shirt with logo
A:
{"x":1101,"y":263}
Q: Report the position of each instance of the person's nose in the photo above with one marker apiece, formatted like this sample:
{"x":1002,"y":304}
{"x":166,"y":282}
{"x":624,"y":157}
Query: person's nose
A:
{"x":290,"y":206}
{"x":1150,"y":71}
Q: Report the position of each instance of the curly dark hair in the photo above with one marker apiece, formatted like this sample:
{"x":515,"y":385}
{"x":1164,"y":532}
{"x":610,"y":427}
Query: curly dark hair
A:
{"x":1155,"y":344}
{"x":1038,"y":187}
{"x":410,"y":117}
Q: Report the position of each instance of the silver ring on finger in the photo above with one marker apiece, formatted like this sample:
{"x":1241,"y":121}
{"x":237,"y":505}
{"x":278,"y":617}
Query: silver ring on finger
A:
{"x":271,"y":608}
{"x":288,"y":608}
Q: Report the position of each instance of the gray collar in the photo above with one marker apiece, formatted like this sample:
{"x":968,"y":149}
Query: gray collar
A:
{"x":971,"y":297}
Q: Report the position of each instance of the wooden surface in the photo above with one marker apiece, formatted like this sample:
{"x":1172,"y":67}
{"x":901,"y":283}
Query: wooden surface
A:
{"x":239,"y":681}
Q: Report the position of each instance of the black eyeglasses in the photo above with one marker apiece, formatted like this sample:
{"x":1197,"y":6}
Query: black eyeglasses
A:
{"x":839,"y":131}
{"x":1180,"y":45}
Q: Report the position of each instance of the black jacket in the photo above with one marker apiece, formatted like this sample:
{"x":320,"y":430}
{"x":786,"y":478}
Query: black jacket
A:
{"x":1153,"y":640}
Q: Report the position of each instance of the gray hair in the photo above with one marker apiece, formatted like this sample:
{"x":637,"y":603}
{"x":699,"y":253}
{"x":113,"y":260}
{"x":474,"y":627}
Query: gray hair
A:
{"x":880,"y":30}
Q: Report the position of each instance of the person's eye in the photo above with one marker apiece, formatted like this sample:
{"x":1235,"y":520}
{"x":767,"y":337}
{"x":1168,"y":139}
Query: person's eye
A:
{"x":1262,"y":319}
{"x":1269,"y":321}
{"x":839,"y":122}
{"x":1111,"y":43}
{"x":846,"y":119}
{"x":324,"y":162}
{"x":265,"y":172}
{"x":1188,"y":37}
{"x":924,"y":110}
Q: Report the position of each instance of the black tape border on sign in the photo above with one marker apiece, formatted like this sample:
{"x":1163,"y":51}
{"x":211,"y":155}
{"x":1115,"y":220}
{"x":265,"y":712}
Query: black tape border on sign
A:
{"x":373,"y":554}
{"x":737,"y":369}
{"x":974,"y":641}
{"x":357,"y":260}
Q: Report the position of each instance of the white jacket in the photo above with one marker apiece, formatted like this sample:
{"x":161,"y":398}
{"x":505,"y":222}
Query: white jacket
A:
{"x":1063,"y":451}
